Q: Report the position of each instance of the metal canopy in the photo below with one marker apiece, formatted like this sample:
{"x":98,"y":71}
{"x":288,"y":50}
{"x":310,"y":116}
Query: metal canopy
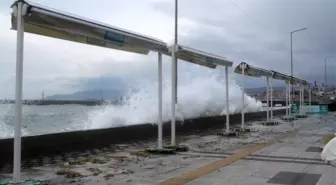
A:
{"x":304,"y":82}
{"x":33,"y":18}
{"x":252,"y":71}
{"x":296,"y":81}
{"x":202,"y":58}
{"x":307,"y":85}
{"x":280,"y":76}
{"x":49,"y":22}
{"x":199,"y":57}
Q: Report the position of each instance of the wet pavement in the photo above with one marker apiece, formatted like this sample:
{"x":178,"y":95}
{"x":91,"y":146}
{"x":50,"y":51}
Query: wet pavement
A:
{"x":128,"y":164}
{"x":294,"y":160}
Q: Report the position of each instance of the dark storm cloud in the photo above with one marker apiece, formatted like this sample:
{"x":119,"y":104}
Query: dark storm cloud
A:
{"x":258,"y":31}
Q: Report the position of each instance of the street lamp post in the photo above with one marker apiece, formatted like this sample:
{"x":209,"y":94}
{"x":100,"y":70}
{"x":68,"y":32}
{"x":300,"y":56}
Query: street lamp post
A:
{"x":174,"y":77}
{"x":291,"y":53}
{"x":325,"y":71}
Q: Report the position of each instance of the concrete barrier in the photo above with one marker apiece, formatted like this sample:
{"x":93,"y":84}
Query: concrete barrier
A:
{"x":58,"y":102}
{"x":77,"y":141}
{"x":283,"y":102}
{"x":332,"y":106}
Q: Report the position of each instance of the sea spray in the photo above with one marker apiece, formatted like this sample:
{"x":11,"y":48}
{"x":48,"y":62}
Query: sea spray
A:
{"x":199,"y":94}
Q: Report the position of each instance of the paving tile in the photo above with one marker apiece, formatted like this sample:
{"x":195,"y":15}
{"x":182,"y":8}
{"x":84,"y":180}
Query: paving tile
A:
{"x":310,"y":179}
{"x":312,"y":168}
{"x":292,"y":167}
{"x":233,"y":180}
{"x":196,"y":183}
{"x":285,"y":154}
{"x":314,"y":149}
{"x":313,"y":155}
{"x":270,"y":149}
{"x":277,"y":166}
{"x":328,"y":176}
{"x":205,"y":180}
{"x":266,"y":174}
{"x":293,"y":178}
{"x":254,"y":181}
{"x":324,"y":183}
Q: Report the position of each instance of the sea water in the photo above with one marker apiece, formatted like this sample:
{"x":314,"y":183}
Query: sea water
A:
{"x":201,"y":92}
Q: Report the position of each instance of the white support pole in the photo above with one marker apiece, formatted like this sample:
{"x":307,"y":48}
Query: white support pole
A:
{"x":243,"y":97}
{"x":227,"y":99}
{"x":300,"y":99}
{"x":160,"y":146}
{"x":309,"y":96}
{"x":18,"y":93}
{"x":267,"y":98}
{"x":175,"y":43}
{"x":286,"y":92}
{"x":271,"y":98}
{"x":300,"y":95}
{"x":173,"y":101}
{"x":174,"y":78}
{"x":303,"y":95}
{"x":289,"y":99}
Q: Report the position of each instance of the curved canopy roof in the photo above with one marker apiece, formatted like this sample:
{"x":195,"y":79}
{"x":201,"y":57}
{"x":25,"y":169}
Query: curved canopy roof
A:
{"x":49,"y":22}
{"x":259,"y":72}
{"x":296,"y":81}
{"x":200,"y":57}
{"x":42,"y":20}
{"x":252,"y":71}
{"x":280,"y":76}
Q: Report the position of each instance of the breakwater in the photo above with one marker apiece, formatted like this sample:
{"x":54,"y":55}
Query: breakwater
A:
{"x":78,"y":141}
{"x":58,"y":102}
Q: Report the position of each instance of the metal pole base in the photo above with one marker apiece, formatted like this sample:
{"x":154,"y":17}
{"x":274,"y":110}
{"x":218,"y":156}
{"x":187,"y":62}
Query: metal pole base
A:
{"x":229,"y":134}
{"x":288,"y":118}
{"x":165,"y":151}
{"x":270,"y":123}
{"x":301,"y":116}
{"x":177,"y":148}
{"x":244,"y":130}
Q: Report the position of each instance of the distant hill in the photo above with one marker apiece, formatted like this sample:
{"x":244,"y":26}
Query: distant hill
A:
{"x":95,"y":94}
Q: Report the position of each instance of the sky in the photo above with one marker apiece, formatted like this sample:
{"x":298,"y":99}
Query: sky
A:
{"x":254,"y":31}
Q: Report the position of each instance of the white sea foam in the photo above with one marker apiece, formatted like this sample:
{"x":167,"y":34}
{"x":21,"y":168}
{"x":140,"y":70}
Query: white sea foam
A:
{"x":201,"y":93}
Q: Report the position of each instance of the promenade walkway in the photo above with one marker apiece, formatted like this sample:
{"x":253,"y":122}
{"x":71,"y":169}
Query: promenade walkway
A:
{"x":285,"y":154}
{"x":294,"y":160}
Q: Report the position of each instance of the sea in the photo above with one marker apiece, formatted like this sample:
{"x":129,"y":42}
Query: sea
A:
{"x":198,"y":96}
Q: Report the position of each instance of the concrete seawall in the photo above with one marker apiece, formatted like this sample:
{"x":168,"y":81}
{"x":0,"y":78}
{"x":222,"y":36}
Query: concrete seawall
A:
{"x":76,"y":141}
{"x":57,"y":102}
{"x":101,"y":102}
{"x":283,"y":102}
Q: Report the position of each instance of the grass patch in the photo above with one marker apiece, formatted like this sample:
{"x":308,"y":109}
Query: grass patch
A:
{"x":141,"y":154}
{"x":109,"y":176}
{"x":88,"y":160}
{"x":95,"y":171}
{"x":121,"y":158}
{"x":69,"y":173}
{"x":127,"y":172}
{"x":326,"y":139}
